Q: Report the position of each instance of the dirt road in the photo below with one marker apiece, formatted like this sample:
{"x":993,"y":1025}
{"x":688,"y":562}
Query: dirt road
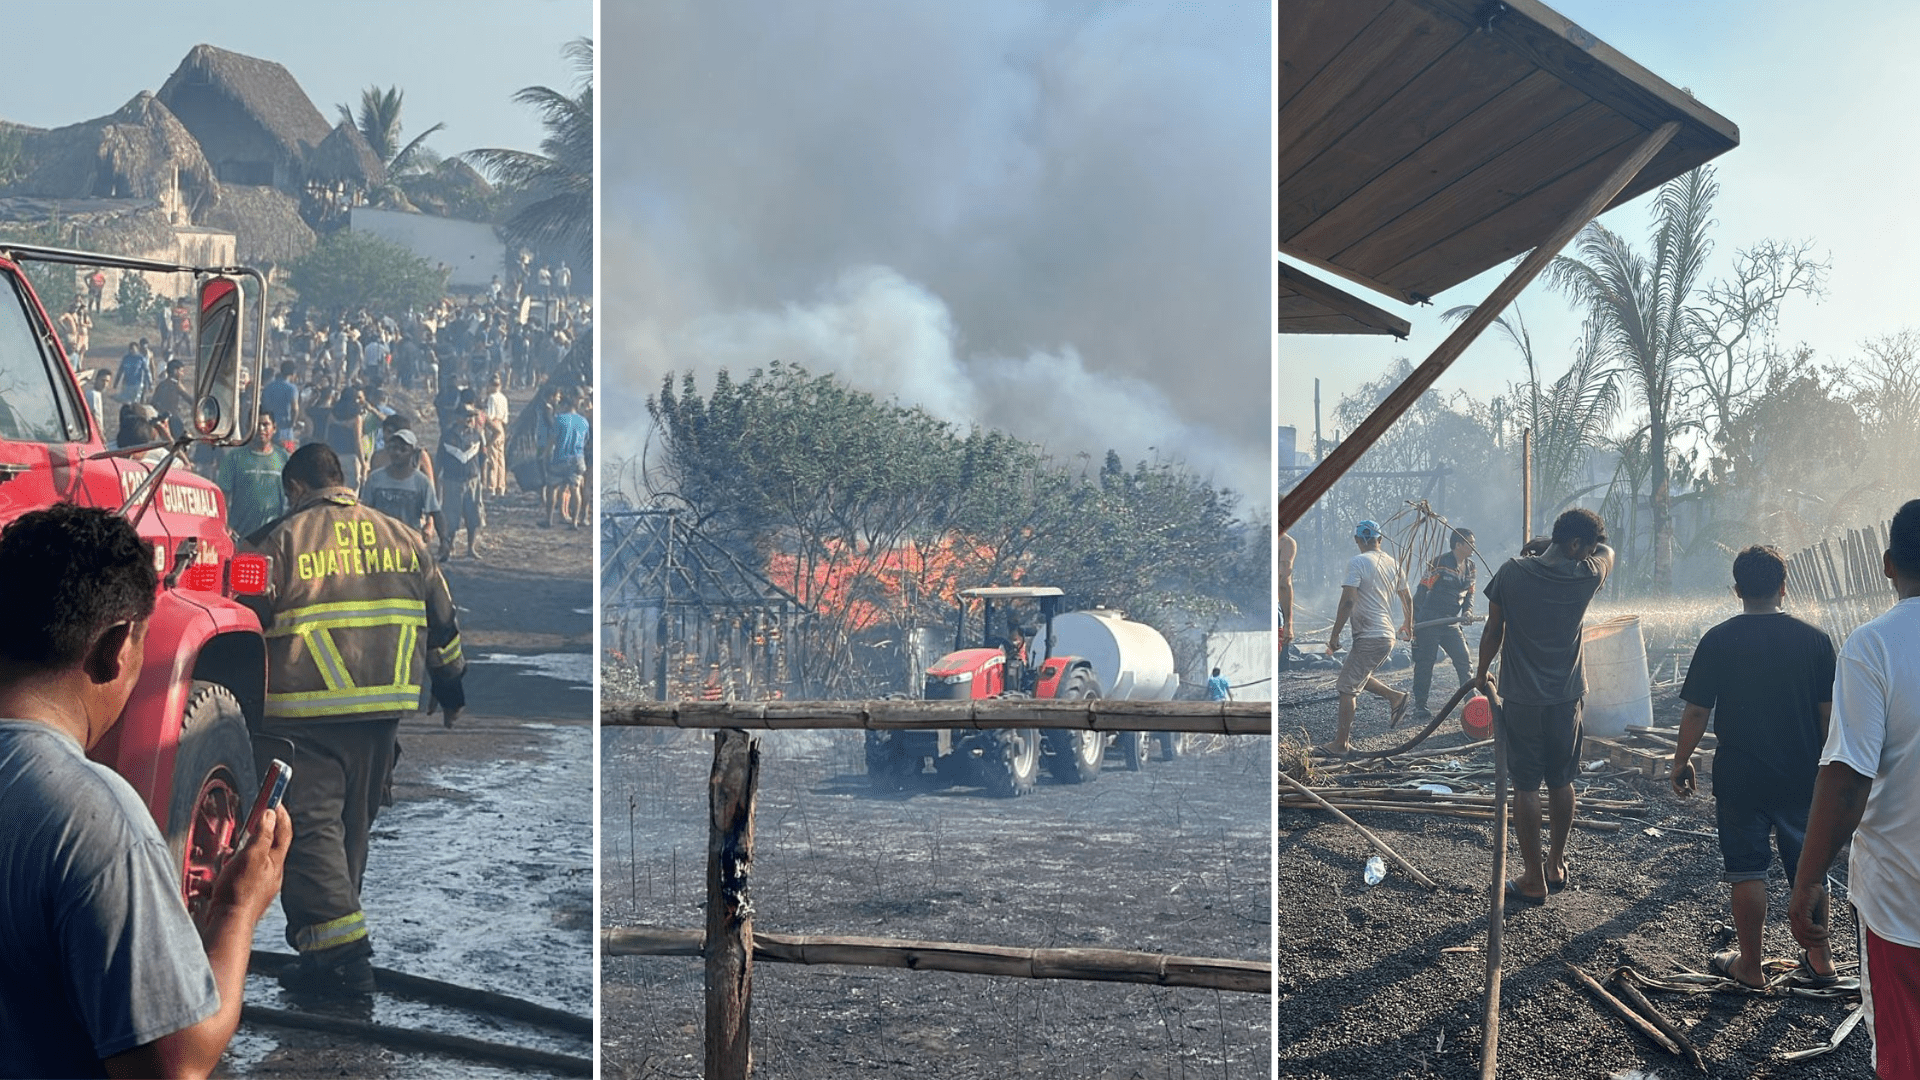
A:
{"x":481,"y":873}
{"x":1173,"y":859}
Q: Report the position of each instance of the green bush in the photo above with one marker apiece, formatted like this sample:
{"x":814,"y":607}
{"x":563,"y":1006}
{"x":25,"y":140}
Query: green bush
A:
{"x":135,"y":299}
{"x":348,"y":270}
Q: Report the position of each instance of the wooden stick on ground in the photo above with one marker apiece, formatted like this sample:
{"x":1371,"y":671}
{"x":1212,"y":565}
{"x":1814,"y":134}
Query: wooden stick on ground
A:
{"x":1469,"y":813}
{"x":1624,"y":978}
{"x":1371,"y":839}
{"x":1638,"y":1022}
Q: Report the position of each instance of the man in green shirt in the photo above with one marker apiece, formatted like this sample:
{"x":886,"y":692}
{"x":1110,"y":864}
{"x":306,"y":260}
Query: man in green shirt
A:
{"x":250,"y":475}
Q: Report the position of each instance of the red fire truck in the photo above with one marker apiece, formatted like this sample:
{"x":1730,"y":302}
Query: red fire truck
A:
{"x":184,"y":740}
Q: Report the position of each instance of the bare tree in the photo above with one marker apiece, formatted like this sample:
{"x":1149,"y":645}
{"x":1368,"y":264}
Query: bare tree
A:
{"x":1734,"y":323}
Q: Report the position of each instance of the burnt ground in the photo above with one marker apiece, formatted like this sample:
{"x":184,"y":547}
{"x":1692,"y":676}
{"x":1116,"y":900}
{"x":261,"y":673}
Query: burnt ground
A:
{"x":481,"y":874}
{"x":1173,"y":859}
{"x":1365,"y":990}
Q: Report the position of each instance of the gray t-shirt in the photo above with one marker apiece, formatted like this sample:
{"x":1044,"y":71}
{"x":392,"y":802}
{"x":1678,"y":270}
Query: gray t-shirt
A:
{"x":100,"y":956}
{"x":407,"y":501}
{"x":1543,"y":600}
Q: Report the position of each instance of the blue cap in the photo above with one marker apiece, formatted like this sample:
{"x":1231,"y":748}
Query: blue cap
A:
{"x":1367,"y":530}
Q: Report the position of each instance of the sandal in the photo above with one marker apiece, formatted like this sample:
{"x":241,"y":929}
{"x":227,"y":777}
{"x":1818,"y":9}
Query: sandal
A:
{"x":1399,"y":711}
{"x":1721,"y":964}
{"x":1807,"y":977}
{"x":1516,"y":898}
{"x":1565,"y":879}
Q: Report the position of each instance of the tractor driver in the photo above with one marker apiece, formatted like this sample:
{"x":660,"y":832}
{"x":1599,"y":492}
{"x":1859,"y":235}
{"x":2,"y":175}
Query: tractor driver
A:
{"x":1015,"y":648}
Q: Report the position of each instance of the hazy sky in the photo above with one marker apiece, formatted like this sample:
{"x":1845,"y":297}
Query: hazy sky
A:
{"x":457,"y":61}
{"x":1824,"y":107}
{"x":1049,"y":218}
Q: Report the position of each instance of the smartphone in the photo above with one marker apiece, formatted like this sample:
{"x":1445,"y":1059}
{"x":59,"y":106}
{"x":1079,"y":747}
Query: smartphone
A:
{"x":273,"y":788}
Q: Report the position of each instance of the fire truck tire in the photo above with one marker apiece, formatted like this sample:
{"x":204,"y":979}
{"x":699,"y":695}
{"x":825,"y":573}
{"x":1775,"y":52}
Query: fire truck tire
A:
{"x":1173,"y":744}
{"x":213,"y":787}
{"x":887,"y":766}
{"x":1133,"y":749}
{"x":1011,"y":761}
{"x":1075,"y":756}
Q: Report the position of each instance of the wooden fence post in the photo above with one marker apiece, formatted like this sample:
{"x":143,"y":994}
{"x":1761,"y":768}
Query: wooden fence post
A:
{"x":733,"y":788}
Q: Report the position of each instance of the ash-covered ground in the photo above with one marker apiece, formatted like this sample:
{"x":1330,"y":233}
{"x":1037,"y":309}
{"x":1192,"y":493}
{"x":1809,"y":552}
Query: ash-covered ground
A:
{"x":1173,"y":859}
{"x":1365,"y":989}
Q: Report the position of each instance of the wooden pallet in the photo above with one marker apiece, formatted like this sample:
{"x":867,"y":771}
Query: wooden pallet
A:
{"x":1649,"y":755}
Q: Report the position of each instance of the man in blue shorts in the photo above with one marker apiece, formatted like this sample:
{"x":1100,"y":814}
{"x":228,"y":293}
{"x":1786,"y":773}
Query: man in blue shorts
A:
{"x":1766,"y":680}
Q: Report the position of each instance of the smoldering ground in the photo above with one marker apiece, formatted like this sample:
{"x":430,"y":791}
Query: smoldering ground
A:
{"x":1045,"y":218}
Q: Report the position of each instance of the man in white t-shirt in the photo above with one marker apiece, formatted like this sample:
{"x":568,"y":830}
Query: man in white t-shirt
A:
{"x":1869,"y":790}
{"x":1372,"y":576}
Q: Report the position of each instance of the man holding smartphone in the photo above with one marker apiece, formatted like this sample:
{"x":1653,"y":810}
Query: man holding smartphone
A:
{"x":104,"y":972}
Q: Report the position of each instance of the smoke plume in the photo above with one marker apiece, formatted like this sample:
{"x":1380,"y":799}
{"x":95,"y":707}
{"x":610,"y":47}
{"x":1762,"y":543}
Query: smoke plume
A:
{"x":1044,"y":217}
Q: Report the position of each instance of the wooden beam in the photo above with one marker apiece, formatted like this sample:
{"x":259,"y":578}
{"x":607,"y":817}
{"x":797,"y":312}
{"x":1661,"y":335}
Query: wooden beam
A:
{"x":1296,"y":502}
{"x":1086,"y":965}
{"x":1093,"y":714}
{"x":1341,"y":303}
{"x":733,"y":788}
{"x":1411,"y":869}
{"x":1496,"y":903}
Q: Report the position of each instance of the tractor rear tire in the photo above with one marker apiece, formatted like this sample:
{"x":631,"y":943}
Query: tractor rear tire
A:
{"x":1076,"y":756}
{"x":1011,"y":761}
{"x":887,"y":765}
{"x":213,"y":787}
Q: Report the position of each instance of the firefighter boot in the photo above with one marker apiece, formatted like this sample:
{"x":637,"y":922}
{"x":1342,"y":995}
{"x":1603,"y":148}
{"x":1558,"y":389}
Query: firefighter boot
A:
{"x":342,"y":971}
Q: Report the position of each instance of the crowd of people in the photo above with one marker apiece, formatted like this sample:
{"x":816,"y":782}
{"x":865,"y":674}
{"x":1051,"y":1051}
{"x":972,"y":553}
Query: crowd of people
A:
{"x":362,"y":384}
{"x":1816,"y":746}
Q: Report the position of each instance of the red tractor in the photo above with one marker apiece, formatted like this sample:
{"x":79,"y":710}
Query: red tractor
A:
{"x":1013,"y":660}
{"x":184,"y":740}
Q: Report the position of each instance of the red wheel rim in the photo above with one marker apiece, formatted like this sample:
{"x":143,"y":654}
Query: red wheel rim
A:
{"x":216,"y":817}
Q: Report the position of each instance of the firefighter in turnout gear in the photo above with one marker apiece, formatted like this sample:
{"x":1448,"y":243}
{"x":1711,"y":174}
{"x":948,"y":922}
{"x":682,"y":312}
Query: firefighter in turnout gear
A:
{"x":357,"y":620}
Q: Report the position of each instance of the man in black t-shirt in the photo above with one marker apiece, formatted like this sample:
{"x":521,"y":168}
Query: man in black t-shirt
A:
{"x":1766,"y":679}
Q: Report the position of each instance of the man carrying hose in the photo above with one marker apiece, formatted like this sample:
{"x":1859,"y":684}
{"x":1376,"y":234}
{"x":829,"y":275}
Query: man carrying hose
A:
{"x":1445,"y":592}
{"x":1372,"y":576}
{"x":1535,"y":605}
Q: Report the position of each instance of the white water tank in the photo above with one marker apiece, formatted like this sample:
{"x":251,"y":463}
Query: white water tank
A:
{"x":1132,"y":660}
{"x":1619,"y":689}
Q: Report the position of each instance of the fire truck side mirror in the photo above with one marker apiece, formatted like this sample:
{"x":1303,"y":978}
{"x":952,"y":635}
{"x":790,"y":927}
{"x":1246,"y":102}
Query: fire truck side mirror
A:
{"x":216,"y":392}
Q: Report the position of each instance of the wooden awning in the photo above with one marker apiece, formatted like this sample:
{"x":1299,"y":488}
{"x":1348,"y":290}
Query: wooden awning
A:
{"x":1422,"y":142}
{"x":1308,"y":305}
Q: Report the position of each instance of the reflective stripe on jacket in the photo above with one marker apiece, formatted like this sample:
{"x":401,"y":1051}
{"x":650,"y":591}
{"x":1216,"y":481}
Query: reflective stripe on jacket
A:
{"x":360,"y":617}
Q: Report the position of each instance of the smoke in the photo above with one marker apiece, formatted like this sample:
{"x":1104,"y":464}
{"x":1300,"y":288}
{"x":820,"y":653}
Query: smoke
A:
{"x":1048,"y":218}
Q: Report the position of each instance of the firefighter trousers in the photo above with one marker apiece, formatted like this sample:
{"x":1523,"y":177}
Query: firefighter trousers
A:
{"x":342,"y":772}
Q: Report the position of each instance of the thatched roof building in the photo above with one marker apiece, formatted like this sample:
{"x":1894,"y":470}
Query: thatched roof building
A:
{"x":254,"y":123}
{"x":266,"y":222}
{"x":140,"y":152}
{"x":344,"y":157}
{"x":136,"y":227}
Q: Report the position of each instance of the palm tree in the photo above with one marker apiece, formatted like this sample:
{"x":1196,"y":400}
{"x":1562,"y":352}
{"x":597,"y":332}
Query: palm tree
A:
{"x":1568,"y":418}
{"x":379,"y":123}
{"x":558,"y":180}
{"x":1638,"y":308}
